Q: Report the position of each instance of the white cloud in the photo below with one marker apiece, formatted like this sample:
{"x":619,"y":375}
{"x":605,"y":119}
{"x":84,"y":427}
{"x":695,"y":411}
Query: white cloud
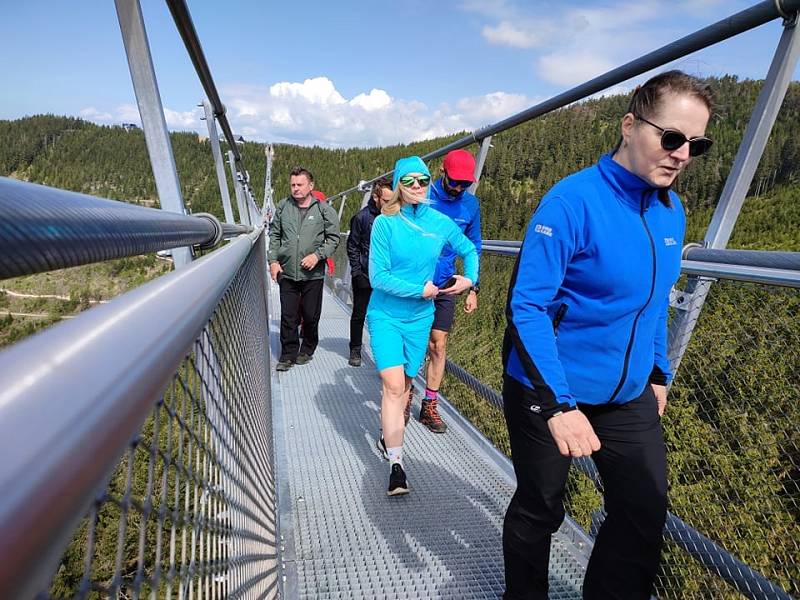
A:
{"x":510,"y":34}
{"x":129,"y":113}
{"x":572,"y":68}
{"x":183,"y":120}
{"x":571,"y":43}
{"x":90,"y":113}
{"x":319,"y":90}
{"x":375,"y":100}
{"x":493,"y":107}
{"x":315,"y":112}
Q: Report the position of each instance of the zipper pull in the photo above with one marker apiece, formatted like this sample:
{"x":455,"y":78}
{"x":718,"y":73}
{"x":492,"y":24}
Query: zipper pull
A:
{"x":562,"y":310}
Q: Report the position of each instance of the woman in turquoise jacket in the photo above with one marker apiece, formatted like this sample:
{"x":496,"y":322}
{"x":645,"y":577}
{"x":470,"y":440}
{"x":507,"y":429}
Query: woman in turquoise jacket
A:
{"x":407,"y":239}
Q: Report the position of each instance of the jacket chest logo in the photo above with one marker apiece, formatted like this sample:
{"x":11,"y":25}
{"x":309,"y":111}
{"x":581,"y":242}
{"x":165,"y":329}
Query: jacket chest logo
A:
{"x":669,"y":241}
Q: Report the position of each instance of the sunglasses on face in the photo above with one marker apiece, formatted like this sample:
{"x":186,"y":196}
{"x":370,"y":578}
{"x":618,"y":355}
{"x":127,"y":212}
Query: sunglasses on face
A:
{"x":454,"y":183}
{"x":671,"y":140}
{"x":408,"y":180}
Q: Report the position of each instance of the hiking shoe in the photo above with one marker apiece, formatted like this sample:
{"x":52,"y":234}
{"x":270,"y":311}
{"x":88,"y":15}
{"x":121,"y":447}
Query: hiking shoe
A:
{"x":304,"y":359}
{"x":284,"y":365}
{"x":398,"y":485}
{"x":355,"y":357}
{"x":429,"y":416}
{"x":407,"y":409}
{"x":382,"y":448}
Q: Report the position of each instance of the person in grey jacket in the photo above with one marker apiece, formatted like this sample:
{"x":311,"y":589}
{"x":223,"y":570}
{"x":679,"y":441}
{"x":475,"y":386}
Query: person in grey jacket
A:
{"x":304,"y":232}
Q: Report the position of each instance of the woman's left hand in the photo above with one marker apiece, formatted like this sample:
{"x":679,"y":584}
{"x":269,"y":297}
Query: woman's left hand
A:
{"x":462,"y":284}
{"x":660,"y":392}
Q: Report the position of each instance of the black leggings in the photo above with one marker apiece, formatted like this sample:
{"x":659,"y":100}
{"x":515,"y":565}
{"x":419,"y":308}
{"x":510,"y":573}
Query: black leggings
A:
{"x":633,"y":467}
{"x":361,"y":295}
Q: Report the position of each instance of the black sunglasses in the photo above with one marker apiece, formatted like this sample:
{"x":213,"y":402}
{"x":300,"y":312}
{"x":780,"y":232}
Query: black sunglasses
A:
{"x":671,"y":140}
{"x":454,"y":183}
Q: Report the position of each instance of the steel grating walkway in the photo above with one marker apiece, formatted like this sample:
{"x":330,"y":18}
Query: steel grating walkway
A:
{"x":341,"y":536}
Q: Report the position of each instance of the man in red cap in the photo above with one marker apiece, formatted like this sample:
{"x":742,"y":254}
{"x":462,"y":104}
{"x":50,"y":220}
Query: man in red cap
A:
{"x":449,"y":196}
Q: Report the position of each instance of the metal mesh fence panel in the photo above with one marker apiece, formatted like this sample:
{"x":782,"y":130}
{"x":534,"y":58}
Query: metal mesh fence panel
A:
{"x":190,"y":509}
{"x":731,"y":431}
{"x":733,"y":439}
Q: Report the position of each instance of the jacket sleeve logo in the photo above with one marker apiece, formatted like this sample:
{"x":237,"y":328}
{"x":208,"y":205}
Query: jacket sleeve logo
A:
{"x":544,"y":229}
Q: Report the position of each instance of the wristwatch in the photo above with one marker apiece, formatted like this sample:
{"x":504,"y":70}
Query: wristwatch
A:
{"x":475,"y":288}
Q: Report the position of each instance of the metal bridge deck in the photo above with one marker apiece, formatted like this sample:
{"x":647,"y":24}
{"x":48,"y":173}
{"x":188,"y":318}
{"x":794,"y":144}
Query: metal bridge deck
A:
{"x":342,"y":537}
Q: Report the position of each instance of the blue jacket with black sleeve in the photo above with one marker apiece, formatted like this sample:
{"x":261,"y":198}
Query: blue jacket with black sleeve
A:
{"x":465,"y":212}
{"x":588,"y":299}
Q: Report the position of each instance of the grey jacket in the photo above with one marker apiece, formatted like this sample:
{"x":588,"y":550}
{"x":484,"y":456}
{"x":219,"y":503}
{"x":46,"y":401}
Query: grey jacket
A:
{"x":290,"y":240}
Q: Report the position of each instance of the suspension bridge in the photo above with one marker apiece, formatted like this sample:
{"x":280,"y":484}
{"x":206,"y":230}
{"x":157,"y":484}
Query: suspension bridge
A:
{"x":151,"y":450}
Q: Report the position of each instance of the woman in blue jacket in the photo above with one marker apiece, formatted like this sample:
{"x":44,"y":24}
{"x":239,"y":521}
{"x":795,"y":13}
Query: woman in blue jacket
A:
{"x":406,"y":241}
{"x":585,"y":352}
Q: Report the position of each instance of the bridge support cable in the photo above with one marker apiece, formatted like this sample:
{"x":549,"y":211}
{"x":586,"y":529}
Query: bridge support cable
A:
{"x":196,"y":486}
{"x":154,"y":125}
{"x":183,"y":21}
{"x":213,"y":140}
{"x":47,"y":228}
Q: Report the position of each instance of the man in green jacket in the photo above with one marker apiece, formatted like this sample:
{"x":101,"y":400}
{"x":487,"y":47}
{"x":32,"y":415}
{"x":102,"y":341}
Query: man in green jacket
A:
{"x":303,"y":234}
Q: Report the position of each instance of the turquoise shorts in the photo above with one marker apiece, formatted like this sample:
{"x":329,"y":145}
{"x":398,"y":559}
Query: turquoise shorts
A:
{"x":397,"y":343}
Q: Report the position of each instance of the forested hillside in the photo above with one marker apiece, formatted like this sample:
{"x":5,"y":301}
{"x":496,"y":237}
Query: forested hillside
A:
{"x":732,"y":423}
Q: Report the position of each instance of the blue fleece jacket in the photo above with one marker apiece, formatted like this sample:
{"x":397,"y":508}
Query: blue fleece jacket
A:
{"x":464,"y":210}
{"x":587,"y":306}
{"x":404,"y":249}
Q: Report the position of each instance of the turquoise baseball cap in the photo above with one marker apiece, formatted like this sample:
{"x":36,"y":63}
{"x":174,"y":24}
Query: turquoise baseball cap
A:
{"x":410,"y":164}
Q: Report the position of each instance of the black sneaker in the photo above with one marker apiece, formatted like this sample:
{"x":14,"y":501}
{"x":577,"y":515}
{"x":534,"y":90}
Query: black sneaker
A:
{"x":429,"y":416}
{"x":304,"y":359}
{"x":355,"y":357}
{"x":407,"y":409}
{"x":284,"y":365}
{"x":382,"y":448}
{"x":398,"y":486}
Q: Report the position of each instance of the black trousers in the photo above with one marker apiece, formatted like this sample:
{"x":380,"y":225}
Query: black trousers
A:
{"x":300,"y":298}
{"x":361,"y":295}
{"x":633,"y":467}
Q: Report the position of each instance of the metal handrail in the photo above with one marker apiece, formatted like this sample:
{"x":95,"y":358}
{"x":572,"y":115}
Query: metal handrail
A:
{"x":754,"y":258}
{"x":751,"y":266}
{"x":120,"y":356}
{"x":183,"y":21}
{"x":755,"y":16}
{"x":46,"y":228}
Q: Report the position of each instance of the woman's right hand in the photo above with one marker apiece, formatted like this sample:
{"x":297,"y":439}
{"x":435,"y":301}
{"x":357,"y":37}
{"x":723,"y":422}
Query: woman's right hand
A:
{"x":430,"y":291}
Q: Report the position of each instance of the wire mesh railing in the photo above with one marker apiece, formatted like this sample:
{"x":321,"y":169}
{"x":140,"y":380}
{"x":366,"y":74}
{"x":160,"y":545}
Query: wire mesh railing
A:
{"x":731,"y":431}
{"x":190,"y":509}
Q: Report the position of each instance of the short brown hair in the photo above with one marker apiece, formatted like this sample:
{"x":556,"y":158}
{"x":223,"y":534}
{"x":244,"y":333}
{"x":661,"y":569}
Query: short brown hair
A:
{"x":302,"y":171}
{"x":647,"y":99}
{"x":384,"y":183}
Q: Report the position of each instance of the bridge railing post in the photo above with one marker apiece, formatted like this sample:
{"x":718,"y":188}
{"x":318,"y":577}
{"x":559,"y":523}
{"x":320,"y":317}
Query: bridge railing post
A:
{"x":159,"y":147}
{"x":213,"y":139}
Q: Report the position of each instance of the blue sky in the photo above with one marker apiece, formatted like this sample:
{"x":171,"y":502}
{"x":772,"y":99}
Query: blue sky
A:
{"x":354,"y":73}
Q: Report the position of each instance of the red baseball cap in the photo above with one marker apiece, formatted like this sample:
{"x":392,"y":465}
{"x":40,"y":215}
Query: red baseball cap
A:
{"x":459,"y":165}
{"x":319,"y":195}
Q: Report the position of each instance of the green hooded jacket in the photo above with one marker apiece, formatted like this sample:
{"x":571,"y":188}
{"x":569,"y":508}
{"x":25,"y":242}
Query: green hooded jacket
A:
{"x":290,"y":240}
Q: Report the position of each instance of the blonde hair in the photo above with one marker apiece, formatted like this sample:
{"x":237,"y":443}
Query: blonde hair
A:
{"x":392,"y":206}
{"x":395,"y":203}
